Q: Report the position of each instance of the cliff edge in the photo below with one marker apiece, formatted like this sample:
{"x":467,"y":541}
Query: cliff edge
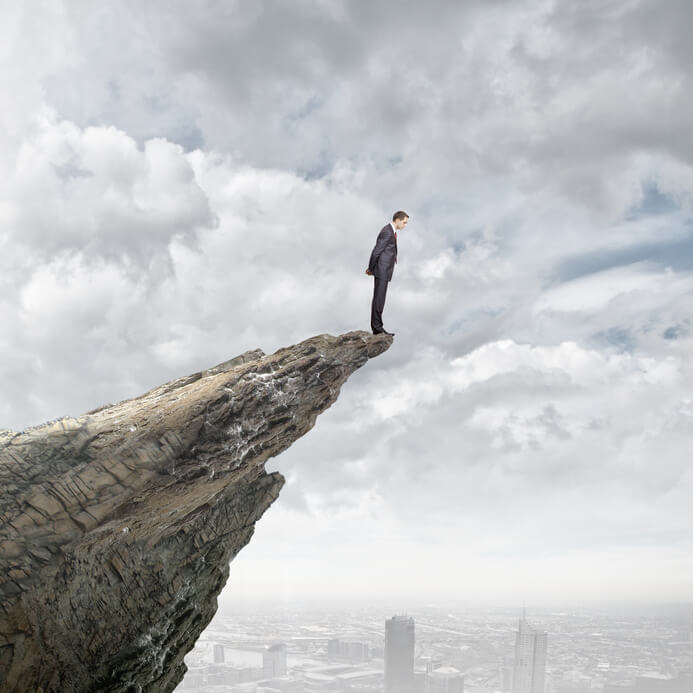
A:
{"x":117,"y":527}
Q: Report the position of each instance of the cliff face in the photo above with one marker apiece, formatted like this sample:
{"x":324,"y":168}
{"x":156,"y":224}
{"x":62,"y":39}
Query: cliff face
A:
{"x":117,"y":527}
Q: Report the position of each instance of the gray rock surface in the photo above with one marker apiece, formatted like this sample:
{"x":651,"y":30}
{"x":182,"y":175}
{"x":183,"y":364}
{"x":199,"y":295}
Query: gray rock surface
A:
{"x":117,"y":527}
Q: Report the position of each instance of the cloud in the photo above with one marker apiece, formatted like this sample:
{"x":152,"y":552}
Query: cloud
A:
{"x":100,"y":193}
{"x":535,"y":93}
{"x":140,"y":254}
{"x":218,"y":187}
{"x":525,"y":459}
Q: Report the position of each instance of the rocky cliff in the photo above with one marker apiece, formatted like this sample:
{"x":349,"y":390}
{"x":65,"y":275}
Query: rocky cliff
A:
{"x":117,"y":527}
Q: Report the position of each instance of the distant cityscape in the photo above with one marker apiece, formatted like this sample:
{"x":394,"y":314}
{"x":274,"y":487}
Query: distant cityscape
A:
{"x":434,"y":650}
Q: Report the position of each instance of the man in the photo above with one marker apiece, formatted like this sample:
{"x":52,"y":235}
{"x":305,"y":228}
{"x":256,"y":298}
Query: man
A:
{"x":381,"y":266}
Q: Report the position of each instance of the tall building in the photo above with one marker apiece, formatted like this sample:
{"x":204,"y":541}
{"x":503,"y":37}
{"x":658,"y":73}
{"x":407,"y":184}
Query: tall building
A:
{"x":218,"y":654}
{"x":444,"y":680}
{"x":274,"y":661}
{"x":350,"y":650}
{"x":334,"y":649}
{"x":505,"y":675}
{"x":430,"y":662}
{"x":529,"y":669}
{"x":399,"y":655}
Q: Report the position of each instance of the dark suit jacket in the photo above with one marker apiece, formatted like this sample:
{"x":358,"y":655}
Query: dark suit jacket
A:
{"x":382,"y":262}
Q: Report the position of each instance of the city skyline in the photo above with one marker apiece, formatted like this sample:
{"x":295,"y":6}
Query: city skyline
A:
{"x":454,"y":651}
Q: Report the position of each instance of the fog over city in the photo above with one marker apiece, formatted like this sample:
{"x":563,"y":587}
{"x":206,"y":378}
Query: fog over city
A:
{"x":187,"y":181}
{"x":443,"y":649}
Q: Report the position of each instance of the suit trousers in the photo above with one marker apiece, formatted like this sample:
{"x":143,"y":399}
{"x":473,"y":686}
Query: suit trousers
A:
{"x":379,"y":291}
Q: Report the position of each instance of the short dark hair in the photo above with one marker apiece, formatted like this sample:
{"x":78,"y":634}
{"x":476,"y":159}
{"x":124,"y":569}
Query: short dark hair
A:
{"x":400,"y":215}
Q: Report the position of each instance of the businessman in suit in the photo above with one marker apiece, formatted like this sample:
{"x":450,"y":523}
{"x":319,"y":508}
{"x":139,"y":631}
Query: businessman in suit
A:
{"x":381,"y":266}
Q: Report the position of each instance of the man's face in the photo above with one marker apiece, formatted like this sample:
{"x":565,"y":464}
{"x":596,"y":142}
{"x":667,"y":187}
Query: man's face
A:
{"x":401,"y":223}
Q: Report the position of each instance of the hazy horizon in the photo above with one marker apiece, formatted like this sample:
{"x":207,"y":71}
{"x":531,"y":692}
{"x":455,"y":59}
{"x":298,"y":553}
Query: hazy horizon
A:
{"x":534,"y":610}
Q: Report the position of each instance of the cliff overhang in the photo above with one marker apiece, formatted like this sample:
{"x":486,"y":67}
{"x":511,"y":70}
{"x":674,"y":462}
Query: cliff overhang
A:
{"x":117,"y":527}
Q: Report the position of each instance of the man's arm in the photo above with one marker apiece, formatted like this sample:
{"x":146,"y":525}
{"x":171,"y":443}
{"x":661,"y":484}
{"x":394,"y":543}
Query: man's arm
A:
{"x":380,"y":244}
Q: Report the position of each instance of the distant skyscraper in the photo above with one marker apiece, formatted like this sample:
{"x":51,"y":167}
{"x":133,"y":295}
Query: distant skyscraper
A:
{"x":274,"y":661}
{"x":350,"y":650}
{"x":334,"y":650}
{"x":399,"y":655}
{"x":218,"y":654}
{"x":430,"y":663}
{"x":444,"y":680}
{"x":506,"y":677}
{"x":529,"y":669}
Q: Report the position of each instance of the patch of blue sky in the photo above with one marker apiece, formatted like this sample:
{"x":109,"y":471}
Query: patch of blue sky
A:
{"x":469,"y":320}
{"x":174,"y":121}
{"x":296,"y":115}
{"x":674,"y":332}
{"x":653,"y":202}
{"x":69,"y":171}
{"x":474,"y":199}
{"x":624,"y":339}
{"x":676,"y":254}
{"x":620,"y":339}
{"x":142,"y":115}
{"x":295,"y":123}
{"x":319,"y":165}
{"x":658,"y":231}
{"x":473,"y":211}
{"x":377,"y":156}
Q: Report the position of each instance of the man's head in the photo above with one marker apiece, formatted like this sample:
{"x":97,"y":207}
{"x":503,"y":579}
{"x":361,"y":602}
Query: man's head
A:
{"x":400,"y":220}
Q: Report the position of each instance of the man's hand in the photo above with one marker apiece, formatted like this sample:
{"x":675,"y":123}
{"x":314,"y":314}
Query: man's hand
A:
{"x":369,"y":272}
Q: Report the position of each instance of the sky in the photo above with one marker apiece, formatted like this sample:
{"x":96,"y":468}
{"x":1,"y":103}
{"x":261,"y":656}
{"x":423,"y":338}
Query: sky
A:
{"x":186,"y":181}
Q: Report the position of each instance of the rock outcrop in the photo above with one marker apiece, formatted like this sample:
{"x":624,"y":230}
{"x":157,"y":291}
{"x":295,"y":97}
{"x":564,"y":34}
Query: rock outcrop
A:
{"x":117,"y":527}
